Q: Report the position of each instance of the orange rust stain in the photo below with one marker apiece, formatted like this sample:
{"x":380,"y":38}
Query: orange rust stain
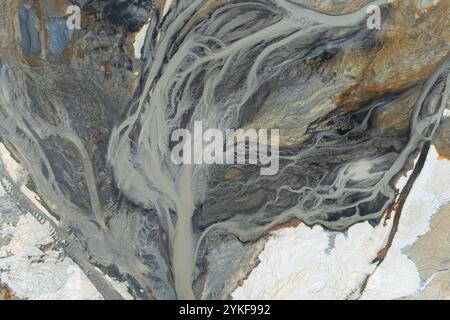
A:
{"x":129,"y":46}
{"x":60,"y":6}
{"x":69,"y":52}
{"x":290,"y":224}
{"x":7,"y":294}
{"x":388,"y":212}
{"x":350,"y":99}
{"x":46,"y":36}
{"x":232,"y":173}
{"x":402,"y":40}
{"x":340,"y":99}
{"x":387,"y":216}
{"x":33,"y":62}
{"x":108,"y":69}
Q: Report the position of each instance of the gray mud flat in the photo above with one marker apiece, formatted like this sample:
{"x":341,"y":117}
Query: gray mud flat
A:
{"x":91,"y":124}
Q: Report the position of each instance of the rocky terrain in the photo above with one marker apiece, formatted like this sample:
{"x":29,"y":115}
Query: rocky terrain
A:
{"x":86,"y":118}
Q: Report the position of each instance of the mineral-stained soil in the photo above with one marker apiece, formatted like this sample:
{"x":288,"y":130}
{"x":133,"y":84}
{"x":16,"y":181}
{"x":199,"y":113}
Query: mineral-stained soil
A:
{"x":91,"y":125}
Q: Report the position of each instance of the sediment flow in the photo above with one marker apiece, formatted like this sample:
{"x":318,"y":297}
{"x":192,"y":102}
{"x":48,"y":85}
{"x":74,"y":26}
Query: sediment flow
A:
{"x":92,"y":124}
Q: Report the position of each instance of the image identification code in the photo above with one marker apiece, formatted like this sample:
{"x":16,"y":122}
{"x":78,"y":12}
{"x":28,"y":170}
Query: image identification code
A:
{"x":227,"y":309}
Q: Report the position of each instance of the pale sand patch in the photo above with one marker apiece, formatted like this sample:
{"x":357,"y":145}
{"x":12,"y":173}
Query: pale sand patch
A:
{"x":313,"y":263}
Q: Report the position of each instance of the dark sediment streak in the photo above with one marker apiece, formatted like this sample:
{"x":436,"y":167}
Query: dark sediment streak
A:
{"x":98,"y":148}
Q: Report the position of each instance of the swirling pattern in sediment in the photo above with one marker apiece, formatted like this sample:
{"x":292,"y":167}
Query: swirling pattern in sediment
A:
{"x":348,"y":127}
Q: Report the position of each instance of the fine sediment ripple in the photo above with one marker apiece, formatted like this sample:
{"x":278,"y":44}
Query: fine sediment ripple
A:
{"x":230,"y":64}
